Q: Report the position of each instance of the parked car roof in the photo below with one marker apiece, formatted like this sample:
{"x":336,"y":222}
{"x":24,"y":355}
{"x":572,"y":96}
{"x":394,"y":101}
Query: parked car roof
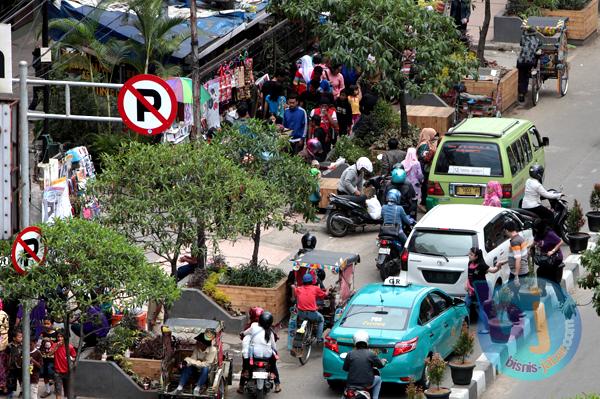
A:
{"x":459,"y":216}
{"x":376,"y":293}
{"x":487,"y":126}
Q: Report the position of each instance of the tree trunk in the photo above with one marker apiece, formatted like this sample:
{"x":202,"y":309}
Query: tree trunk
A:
{"x":256,"y":239}
{"x":483,"y":33}
{"x":403,"y":111}
{"x":174,"y":266}
{"x":201,"y":246}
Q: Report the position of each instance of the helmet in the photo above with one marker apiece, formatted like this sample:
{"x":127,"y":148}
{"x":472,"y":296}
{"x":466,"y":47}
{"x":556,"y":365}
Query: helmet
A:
{"x":393,"y":196}
{"x":361,"y":336}
{"x":313,"y":146}
{"x":364,"y":163}
{"x":307,"y":278}
{"x":537,"y":172}
{"x":309,"y":241}
{"x":398,"y":176}
{"x":255,"y":313}
{"x":265,"y":320}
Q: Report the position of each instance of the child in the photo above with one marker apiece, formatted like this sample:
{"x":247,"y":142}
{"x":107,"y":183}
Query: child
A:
{"x":49,"y":338}
{"x":15,"y":359}
{"x":315,"y":171}
{"x":343,"y":109}
{"x":354,"y":97}
{"x":36,"y":365}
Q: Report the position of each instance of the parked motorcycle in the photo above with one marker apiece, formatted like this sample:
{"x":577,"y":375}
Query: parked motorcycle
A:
{"x":261,"y":380}
{"x":390,"y":248}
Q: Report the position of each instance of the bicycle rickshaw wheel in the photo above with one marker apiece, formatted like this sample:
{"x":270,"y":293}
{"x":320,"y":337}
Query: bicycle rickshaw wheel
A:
{"x":535,"y":90}
{"x":306,"y":345}
{"x":563,"y":81}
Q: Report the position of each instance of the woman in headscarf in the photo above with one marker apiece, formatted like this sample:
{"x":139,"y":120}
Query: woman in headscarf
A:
{"x":414,"y":174}
{"x":426,"y":148}
{"x":303,"y":73}
{"x":493,"y":194}
{"x":3,"y":346}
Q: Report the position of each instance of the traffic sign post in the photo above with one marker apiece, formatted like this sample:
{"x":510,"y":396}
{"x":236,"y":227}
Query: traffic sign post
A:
{"x":147,"y":104}
{"x":28,"y":250}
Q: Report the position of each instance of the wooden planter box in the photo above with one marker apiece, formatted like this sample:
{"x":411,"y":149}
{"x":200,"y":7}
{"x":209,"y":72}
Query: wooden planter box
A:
{"x":272,"y":299}
{"x":149,"y":368}
{"x":438,"y":118}
{"x":582,"y":23}
{"x":508,"y":88}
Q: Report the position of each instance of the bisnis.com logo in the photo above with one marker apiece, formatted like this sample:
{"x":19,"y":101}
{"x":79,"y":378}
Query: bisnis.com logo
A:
{"x":534,"y":329}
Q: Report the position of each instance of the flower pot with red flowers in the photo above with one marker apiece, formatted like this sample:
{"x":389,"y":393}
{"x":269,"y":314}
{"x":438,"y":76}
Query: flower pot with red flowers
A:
{"x":436,"y":366}
{"x":462,"y":370}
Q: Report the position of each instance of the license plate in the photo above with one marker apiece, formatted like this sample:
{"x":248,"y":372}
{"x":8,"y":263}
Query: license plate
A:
{"x":468,"y":191}
{"x":260,"y":375}
{"x":384,"y":251}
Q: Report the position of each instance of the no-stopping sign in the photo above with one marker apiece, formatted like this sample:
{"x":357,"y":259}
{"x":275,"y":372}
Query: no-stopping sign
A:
{"x":147,"y":104}
{"x":28,"y":250}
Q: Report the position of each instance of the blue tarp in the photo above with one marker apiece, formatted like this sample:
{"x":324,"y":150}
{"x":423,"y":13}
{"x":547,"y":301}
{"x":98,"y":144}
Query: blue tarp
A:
{"x":119,"y":25}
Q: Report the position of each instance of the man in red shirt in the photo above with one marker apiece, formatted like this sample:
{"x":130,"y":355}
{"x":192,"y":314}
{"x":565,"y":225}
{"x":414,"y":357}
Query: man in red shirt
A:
{"x":61,"y":368}
{"x":306,"y":302}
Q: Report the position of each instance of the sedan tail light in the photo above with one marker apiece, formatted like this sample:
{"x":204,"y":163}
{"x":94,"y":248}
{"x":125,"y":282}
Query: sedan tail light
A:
{"x":404,"y":260}
{"x":405,"y":346}
{"x":434,"y":188}
{"x":331,"y":344}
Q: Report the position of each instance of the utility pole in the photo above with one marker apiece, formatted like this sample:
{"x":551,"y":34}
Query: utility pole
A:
{"x":195,"y":132}
{"x":45,"y":65}
{"x":24,"y":145}
{"x":26,"y":350}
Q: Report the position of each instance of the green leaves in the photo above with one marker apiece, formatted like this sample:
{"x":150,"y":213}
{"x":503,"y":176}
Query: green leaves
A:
{"x":590,"y":260}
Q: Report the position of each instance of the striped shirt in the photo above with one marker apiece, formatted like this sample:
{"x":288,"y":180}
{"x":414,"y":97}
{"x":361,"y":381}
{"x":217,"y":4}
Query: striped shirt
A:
{"x":518,"y":246}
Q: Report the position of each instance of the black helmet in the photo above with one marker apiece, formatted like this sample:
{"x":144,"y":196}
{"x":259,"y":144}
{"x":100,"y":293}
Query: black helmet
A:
{"x":265,"y":320}
{"x":309,"y":241}
{"x":537,"y":172}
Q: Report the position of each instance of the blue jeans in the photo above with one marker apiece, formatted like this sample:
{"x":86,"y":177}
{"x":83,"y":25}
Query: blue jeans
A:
{"x":376,"y":387}
{"x":188,"y":371}
{"x":481,"y":296}
{"x":315,"y":317}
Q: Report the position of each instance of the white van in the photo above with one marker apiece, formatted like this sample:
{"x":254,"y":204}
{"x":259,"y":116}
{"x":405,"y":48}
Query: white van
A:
{"x":436,"y":253}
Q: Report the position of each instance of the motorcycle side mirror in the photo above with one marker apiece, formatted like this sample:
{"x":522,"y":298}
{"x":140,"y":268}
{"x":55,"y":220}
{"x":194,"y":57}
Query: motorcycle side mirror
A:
{"x":343,"y":355}
{"x":545,"y":141}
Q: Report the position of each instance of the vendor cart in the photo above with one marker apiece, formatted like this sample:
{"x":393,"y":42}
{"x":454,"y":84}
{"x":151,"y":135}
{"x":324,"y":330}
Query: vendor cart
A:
{"x":552,"y":60}
{"x":178,"y":343}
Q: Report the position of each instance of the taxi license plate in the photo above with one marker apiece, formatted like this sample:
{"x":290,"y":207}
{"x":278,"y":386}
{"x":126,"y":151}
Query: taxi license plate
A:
{"x":260,"y":375}
{"x":384,"y":251}
{"x":468,"y":191}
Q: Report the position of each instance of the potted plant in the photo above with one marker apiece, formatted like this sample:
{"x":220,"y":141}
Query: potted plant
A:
{"x":462,"y":371}
{"x":578,"y":241}
{"x":501,"y":325}
{"x":435,"y":372}
{"x":593,"y":216}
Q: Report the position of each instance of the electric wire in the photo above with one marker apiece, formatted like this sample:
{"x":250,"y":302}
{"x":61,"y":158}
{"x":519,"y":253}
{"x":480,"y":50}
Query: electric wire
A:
{"x":17,"y":8}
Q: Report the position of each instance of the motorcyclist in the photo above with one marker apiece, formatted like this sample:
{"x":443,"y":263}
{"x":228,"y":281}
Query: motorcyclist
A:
{"x":307,"y":296}
{"x":311,"y":151}
{"x":391,"y":157}
{"x":407,"y":191}
{"x":535,"y":192}
{"x":393,"y":214}
{"x":359,"y":364}
{"x":353,"y":178}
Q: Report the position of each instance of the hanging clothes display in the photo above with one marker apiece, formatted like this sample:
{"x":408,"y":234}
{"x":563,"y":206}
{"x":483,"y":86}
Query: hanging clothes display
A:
{"x":212,"y":105}
{"x":55,"y":201}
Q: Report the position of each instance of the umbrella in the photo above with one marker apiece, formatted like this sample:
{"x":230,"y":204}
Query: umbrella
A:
{"x":183,"y":89}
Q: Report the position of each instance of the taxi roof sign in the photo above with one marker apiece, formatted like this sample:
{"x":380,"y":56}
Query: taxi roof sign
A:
{"x":397,"y":281}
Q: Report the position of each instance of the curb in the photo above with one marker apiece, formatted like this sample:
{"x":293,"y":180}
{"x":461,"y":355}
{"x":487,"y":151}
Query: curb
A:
{"x":502,"y":46}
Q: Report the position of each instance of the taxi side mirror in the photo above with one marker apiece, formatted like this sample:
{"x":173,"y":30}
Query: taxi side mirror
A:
{"x":457,"y":302}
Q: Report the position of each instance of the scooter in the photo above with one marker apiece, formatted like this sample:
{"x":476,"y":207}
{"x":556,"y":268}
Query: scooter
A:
{"x":351,"y":392}
{"x":390,"y":248}
{"x":261,"y":381}
{"x":560,"y":208}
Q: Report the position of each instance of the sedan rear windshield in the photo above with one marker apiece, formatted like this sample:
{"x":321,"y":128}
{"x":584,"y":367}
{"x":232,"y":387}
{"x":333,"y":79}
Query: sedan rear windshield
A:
{"x":442,"y":243}
{"x":469,"y":158}
{"x":376,"y":317}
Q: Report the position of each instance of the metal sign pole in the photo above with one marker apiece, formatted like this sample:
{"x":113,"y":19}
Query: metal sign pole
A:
{"x":26,"y":386}
{"x":24,"y":147}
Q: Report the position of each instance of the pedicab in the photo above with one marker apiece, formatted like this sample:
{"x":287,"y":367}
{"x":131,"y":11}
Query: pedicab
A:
{"x":342,"y":265}
{"x":552,"y":62}
{"x":178,"y":343}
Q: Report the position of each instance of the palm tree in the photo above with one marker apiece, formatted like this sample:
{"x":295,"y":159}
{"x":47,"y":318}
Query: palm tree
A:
{"x":157,"y":43}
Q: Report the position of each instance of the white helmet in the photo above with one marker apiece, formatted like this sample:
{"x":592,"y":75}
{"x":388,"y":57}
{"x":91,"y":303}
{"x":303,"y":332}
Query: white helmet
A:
{"x":361,"y":336}
{"x":364,"y":163}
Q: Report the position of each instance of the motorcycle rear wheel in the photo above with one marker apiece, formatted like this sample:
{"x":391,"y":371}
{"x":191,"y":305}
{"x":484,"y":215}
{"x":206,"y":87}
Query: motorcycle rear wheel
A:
{"x":260,"y":394}
{"x":336,"y":228}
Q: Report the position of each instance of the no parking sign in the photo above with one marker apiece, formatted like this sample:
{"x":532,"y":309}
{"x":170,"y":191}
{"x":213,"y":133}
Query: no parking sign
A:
{"x":147,"y":104}
{"x":28,"y":250}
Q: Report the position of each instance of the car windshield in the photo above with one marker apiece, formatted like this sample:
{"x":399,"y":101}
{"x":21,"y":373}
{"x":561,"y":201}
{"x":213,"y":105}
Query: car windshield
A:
{"x":469,"y":158}
{"x":376,"y":317}
{"x":442,"y":243}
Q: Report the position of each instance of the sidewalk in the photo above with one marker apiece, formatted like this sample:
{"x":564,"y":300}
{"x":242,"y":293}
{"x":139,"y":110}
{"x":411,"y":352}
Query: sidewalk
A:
{"x":476,"y":20}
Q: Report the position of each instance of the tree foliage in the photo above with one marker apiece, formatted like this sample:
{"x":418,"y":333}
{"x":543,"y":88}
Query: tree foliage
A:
{"x":590,"y":260}
{"x":373,"y":36}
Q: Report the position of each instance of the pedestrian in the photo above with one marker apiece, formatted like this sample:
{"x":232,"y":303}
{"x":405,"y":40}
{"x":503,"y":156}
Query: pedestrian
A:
{"x":36,"y":317}
{"x":275,"y":103}
{"x":304,"y":68}
{"x":460,"y":11}
{"x":329,"y":121}
{"x":518,"y":252}
{"x":35,"y":357}
{"x":343,"y":110}
{"x":477,"y":288}
{"x":426,"y":149}
{"x":92,"y":326}
{"x":493,"y":194}
{"x":294,"y":118}
{"x":336,"y":79}
{"x":15,"y":360}
{"x":391,"y":157}
{"x":414,"y":174}
{"x":354,"y":97}
{"x":548,"y":257}
{"x":4,"y":326}
{"x":271,"y":87}
{"x":49,"y":338}
{"x":320,"y":63}
{"x":530,"y":44}
{"x":61,"y":366}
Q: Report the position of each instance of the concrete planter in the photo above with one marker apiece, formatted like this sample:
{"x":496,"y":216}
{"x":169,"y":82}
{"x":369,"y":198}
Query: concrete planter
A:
{"x":272,"y":299}
{"x":582,"y":24}
{"x":507,"y":29}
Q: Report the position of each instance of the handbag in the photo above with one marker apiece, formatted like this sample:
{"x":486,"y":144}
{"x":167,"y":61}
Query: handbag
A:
{"x":545,"y":260}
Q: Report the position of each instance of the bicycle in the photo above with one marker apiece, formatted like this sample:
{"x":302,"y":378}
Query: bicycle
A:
{"x":303,"y":341}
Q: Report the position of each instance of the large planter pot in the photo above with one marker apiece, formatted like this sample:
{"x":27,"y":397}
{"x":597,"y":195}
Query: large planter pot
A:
{"x":273,"y":299}
{"x":500,"y":330}
{"x":593,"y":218}
{"x":442,"y":393}
{"x":462,"y":373}
{"x":578,"y":242}
{"x":507,"y":29}
{"x":506,"y":88}
{"x":581,"y":24}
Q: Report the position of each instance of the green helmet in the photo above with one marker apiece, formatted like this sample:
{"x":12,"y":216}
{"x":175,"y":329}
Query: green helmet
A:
{"x":398,"y":176}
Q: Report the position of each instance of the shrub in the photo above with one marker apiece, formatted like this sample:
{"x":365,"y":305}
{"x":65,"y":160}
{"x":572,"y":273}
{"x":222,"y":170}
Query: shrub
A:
{"x":120,"y":338}
{"x":575,"y":220}
{"x":210,"y":288}
{"x":435,"y":369}
{"x":595,"y":198}
{"x":413,"y":391}
{"x":348,"y":149}
{"x":465,"y":343}
{"x":253,"y":276}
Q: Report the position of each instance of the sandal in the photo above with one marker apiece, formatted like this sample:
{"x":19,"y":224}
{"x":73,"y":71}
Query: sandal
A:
{"x":277,"y":388}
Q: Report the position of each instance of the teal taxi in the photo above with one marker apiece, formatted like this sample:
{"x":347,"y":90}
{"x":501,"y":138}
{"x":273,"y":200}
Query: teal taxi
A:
{"x":406,"y":324}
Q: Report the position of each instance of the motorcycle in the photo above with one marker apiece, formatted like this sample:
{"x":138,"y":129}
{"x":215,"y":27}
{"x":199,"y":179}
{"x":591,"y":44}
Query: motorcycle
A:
{"x":390,"y":248}
{"x":261,"y":380}
{"x":560,"y":208}
{"x":351,"y":392}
